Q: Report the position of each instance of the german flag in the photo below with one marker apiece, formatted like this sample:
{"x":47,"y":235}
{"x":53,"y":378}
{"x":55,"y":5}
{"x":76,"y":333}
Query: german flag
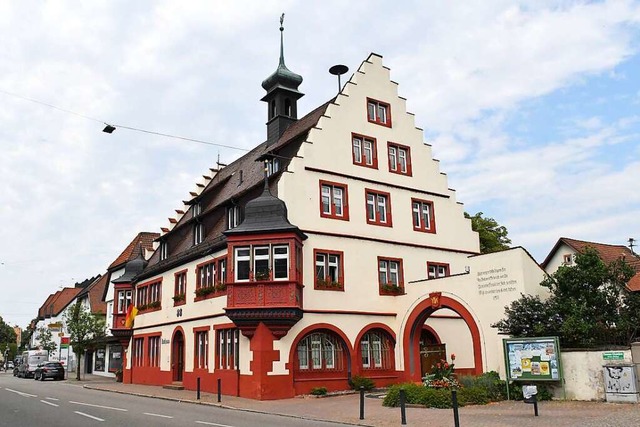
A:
{"x":131,"y":315}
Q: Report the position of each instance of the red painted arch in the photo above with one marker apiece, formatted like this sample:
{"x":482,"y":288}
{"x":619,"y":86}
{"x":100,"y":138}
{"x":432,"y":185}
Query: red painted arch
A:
{"x":315,"y":327}
{"x":415,"y":323}
{"x":357,"y":362}
{"x":433,"y":332}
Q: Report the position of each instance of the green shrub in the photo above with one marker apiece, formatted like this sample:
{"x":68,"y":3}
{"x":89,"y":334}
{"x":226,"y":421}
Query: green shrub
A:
{"x":544,"y":391}
{"x":319,"y":391}
{"x":473,"y":396}
{"x":437,"y":398}
{"x":495,"y":388}
{"x":412,"y":391}
{"x":357,"y":381}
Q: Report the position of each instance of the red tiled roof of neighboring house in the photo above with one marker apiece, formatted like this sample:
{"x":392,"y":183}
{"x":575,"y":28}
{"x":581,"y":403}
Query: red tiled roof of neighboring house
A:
{"x":95,"y":295}
{"x":46,"y":307}
{"x":607,"y":253}
{"x":144,"y":238}
{"x":66,"y":296}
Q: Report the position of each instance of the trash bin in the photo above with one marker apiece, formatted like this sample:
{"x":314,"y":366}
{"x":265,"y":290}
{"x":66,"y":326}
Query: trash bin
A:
{"x":529,"y":393}
{"x":620,"y":383}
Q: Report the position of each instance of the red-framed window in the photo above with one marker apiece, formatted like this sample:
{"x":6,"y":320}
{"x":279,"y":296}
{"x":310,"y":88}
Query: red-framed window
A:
{"x":424,"y":217}
{"x":329,"y":268}
{"x":364,"y":151}
{"x":321,"y":351}
{"x":399,"y":158}
{"x":378,"y":206}
{"x":378,"y":112}
{"x":376,"y":350}
{"x":211,"y":278}
{"x":390,"y":276}
{"x":334,"y":200}
{"x":227,"y":348}
{"x":138,"y":352}
{"x":206,"y":274}
{"x":437,"y":269}
{"x":262,"y":262}
{"x":180,"y":287}
{"x":153,"y":350}
{"x":149,"y":295}
{"x":201,"y":347}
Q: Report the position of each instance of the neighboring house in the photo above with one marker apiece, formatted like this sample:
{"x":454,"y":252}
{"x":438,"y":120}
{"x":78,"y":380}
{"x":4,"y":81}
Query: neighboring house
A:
{"x":335,"y":248}
{"x":91,"y":299}
{"x":565,"y":250}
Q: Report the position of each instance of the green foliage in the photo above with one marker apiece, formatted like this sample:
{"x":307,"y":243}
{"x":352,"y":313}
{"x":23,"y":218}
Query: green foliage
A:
{"x":493,"y":236}
{"x":7,"y":334}
{"x":319,"y":391}
{"x":46,"y":340}
{"x":544,"y":391}
{"x":589,"y":305}
{"x":473,"y":396}
{"x":435,"y":397}
{"x":490,"y":382}
{"x":84,"y":329}
{"x":366,"y":383}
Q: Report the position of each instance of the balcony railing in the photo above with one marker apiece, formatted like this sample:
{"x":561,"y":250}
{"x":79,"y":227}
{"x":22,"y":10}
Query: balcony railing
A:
{"x":264,"y":294}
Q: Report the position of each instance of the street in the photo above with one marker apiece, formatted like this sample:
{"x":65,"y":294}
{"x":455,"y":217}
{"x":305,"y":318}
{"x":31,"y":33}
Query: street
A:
{"x":25,"y":402}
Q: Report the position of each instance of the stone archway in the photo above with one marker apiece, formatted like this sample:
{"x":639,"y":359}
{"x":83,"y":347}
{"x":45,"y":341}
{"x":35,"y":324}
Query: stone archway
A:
{"x":414,"y":327}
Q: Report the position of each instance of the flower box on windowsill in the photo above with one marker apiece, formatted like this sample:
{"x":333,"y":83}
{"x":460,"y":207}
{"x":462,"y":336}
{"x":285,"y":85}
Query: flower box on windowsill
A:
{"x":391,"y":289}
{"x":179,"y":299}
{"x":329,"y":285}
{"x":152,"y":306}
{"x":261,"y":276}
{"x":210,"y":292}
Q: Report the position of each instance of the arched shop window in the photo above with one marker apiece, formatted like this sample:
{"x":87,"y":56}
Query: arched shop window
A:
{"x":376,"y":350}
{"x":320,"y":351}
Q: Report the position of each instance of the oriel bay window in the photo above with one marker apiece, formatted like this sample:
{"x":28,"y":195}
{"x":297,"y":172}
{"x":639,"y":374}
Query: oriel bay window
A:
{"x":376,"y":350}
{"x":423,"y":215}
{"x":378,"y":207}
{"x":390,"y":275}
{"x":399,"y":159}
{"x":378,"y":112}
{"x":364,"y":151}
{"x":333,"y":200}
{"x":124,"y":301}
{"x":329,"y":269}
{"x":262,"y":262}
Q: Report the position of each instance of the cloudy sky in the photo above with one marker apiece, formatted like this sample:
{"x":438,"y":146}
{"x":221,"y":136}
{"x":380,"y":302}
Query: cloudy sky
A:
{"x":533,"y":110}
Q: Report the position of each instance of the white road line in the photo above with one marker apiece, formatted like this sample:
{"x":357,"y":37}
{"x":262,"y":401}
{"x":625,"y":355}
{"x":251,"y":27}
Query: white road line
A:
{"x":52,"y":398}
{"x":212,"y":424}
{"x":49,"y":403}
{"x":98,"y":406}
{"x":88,"y":416}
{"x":21,"y":393}
{"x":157,"y":415}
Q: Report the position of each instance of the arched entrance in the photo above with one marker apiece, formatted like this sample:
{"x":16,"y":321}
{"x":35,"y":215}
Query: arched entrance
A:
{"x":415,"y":332}
{"x":177,"y":356}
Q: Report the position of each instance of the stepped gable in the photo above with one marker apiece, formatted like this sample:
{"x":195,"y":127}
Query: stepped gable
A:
{"x":144,"y":238}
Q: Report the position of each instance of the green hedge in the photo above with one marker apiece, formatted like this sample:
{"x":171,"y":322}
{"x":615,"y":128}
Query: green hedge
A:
{"x":433,"y":397}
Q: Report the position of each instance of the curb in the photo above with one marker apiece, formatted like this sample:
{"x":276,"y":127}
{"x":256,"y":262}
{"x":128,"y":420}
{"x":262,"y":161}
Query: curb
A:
{"x":222,"y":406}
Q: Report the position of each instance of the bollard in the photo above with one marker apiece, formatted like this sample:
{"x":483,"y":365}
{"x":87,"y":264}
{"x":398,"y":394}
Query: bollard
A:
{"x":361,"y":403}
{"x":219,"y":391}
{"x":198,"y":388}
{"x":535,"y":405}
{"x":403,"y":411}
{"x":454,"y":401}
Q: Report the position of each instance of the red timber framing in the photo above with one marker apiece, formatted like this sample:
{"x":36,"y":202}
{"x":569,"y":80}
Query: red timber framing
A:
{"x":414,"y":326}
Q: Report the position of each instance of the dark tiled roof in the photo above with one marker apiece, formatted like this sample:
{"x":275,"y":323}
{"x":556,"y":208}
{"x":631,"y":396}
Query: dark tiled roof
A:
{"x":144,"y":238}
{"x":94,"y":292}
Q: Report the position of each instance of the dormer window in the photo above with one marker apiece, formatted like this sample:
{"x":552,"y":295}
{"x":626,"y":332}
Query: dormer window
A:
{"x":378,"y":112}
{"x":197,"y":209}
{"x":163,"y":251}
{"x":234,"y":217}
{"x":198,"y":233}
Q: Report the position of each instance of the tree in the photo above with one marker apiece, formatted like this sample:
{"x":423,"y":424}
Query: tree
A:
{"x":84,"y":329}
{"x":589,"y":305}
{"x":46,"y":340}
{"x":493,"y":236}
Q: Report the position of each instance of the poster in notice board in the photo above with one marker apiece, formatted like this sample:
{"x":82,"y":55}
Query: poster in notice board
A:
{"x":532,"y":359}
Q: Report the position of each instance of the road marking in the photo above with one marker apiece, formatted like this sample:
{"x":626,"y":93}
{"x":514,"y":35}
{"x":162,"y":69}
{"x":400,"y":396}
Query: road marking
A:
{"x":52,"y":398}
{"x":157,"y":415}
{"x":88,"y":416}
{"x":21,"y":393}
{"x":98,"y":406}
{"x":49,"y":403}
{"x":212,"y":424}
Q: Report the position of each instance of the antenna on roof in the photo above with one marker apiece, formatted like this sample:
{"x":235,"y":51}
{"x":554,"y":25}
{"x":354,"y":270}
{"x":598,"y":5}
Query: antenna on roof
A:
{"x":338,"y":70}
{"x":631,"y":244}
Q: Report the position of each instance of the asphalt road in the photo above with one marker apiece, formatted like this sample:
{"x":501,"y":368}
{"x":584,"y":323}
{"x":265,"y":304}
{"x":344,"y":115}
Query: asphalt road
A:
{"x":25,"y":402}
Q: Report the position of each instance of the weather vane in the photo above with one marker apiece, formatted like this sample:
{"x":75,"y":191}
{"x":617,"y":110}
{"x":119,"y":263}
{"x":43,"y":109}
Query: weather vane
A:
{"x":282,"y":22}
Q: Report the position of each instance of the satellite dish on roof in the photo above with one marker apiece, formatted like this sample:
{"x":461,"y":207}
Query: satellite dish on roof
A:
{"x":338,"y":70}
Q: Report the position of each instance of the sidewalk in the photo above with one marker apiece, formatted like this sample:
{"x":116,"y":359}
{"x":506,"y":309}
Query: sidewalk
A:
{"x":345,"y":409}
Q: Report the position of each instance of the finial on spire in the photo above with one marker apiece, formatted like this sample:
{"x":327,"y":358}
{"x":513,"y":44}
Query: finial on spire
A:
{"x":282,"y":39}
{"x":282,"y":22}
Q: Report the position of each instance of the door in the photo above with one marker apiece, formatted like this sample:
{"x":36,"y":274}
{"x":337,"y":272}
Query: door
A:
{"x":177,"y":356}
{"x":431,"y":351}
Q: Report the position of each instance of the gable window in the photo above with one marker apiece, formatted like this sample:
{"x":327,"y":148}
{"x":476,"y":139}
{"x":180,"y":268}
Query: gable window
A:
{"x":180,"y":288}
{"x":436,"y":270}
{"x":201,"y":349}
{"x":378,"y":112}
{"x":262,"y":262}
{"x":364,"y":151}
{"x":376,"y":350}
{"x":198,"y":233}
{"x":333,"y":200}
{"x":329,"y":269}
{"x":399,"y":159}
{"x":390,"y":275}
{"x":567,"y":259}
{"x":227,"y":344}
{"x":378,"y":207}
{"x":423,"y":215}
{"x":163,"y":250}
{"x":154,"y":351}
{"x":234,"y":217}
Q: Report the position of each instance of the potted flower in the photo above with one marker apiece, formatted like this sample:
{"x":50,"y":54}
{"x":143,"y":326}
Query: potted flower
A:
{"x":262,"y":275}
{"x":119,"y":375}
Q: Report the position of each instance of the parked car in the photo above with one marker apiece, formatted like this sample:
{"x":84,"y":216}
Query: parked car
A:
{"x":10,"y":365}
{"x":46,"y":370}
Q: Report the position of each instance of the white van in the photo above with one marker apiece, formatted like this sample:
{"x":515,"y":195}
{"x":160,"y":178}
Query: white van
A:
{"x":30,"y":360}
